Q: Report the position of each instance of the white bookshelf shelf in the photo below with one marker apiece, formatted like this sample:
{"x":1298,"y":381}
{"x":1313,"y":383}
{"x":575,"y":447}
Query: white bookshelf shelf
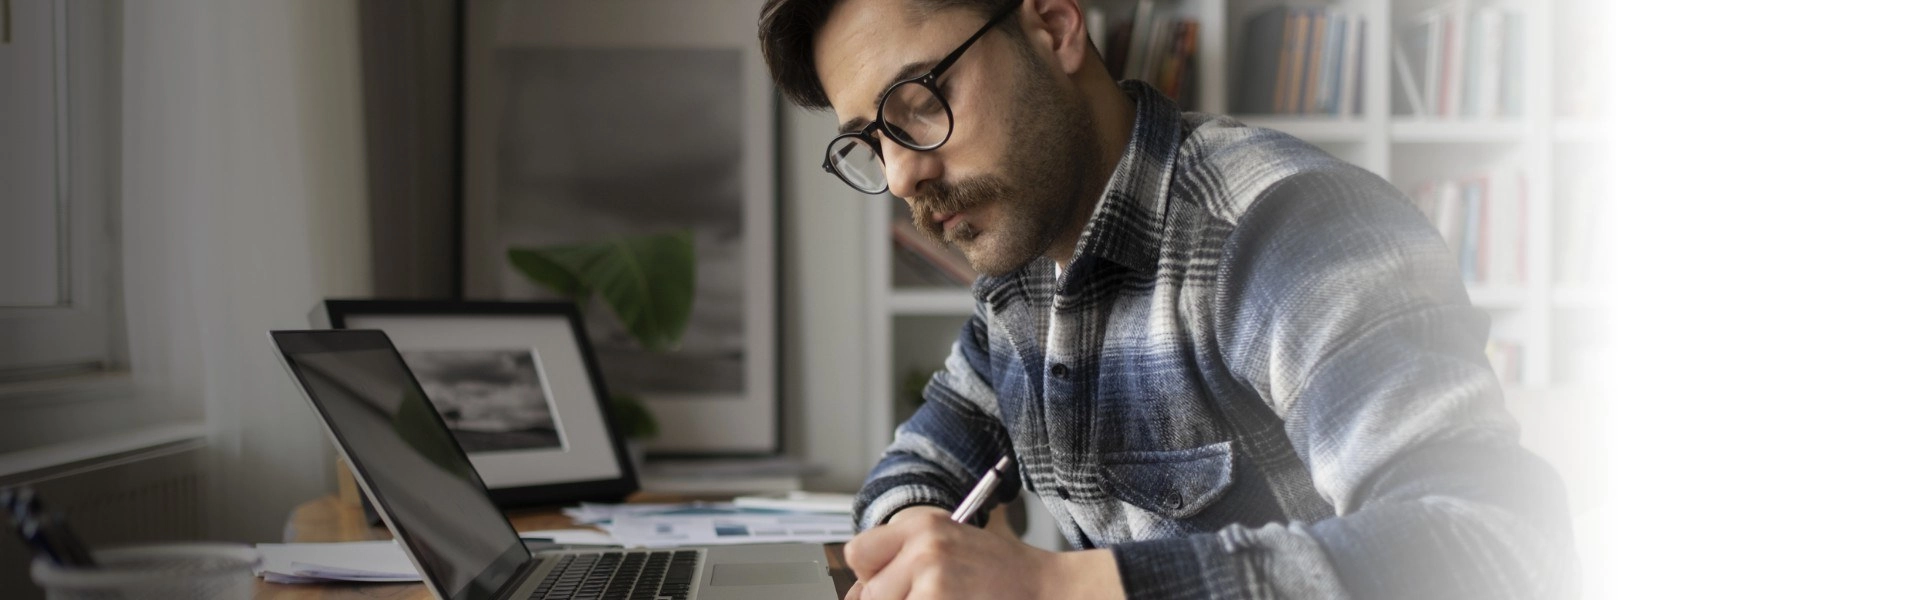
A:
{"x":1434,"y":131}
{"x":1312,"y":129}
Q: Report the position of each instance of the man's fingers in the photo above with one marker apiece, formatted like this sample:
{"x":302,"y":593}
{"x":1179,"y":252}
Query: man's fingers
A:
{"x":853,"y":593}
{"x":887,"y":585}
{"x":870,"y":551}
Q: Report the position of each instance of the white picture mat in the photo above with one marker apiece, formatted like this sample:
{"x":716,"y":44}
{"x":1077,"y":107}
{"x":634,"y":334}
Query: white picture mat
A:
{"x":695,"y":423}
{"x":588,"y":454}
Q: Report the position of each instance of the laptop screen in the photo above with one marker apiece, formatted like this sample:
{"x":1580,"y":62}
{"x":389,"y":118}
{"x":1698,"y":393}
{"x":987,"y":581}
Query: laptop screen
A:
{"x":432,"y":497}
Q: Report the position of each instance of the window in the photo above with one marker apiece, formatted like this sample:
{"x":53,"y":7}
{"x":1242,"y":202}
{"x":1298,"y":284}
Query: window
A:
{"x":60,"y":307}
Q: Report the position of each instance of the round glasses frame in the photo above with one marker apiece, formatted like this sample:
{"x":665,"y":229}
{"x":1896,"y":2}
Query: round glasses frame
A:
{"x":892,"y":131}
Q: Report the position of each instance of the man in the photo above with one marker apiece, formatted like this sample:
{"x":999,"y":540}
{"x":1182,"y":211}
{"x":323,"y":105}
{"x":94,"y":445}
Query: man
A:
{"x":1229,"y":364}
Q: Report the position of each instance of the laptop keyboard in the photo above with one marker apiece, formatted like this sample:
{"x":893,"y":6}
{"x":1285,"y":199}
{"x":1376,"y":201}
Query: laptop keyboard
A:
{"x":622,"y":575}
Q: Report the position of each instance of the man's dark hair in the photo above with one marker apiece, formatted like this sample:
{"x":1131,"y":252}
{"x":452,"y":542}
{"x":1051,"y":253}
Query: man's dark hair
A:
{"x":787,"y":28}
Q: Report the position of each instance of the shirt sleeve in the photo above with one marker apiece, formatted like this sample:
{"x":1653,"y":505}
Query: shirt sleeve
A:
{"x":1343,"y":308}
{"x":939,"y":453}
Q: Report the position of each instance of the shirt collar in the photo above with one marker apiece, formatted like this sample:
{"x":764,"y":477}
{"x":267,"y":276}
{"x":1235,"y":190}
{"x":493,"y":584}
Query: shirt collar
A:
{"x":1125,"y":227}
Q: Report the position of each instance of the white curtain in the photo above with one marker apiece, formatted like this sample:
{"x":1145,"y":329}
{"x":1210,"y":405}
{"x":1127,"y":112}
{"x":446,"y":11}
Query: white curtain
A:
{"x":244,"y":204}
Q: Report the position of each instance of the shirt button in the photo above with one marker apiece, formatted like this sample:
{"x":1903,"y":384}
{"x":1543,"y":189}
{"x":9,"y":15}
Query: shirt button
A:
{"x":1059,"y":370}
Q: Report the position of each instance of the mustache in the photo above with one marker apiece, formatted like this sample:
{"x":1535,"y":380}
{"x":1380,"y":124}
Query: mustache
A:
{"x":949,"y":198}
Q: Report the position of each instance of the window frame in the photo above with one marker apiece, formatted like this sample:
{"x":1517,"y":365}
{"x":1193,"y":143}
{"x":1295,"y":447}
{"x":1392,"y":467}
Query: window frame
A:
{"x":78,"y":347}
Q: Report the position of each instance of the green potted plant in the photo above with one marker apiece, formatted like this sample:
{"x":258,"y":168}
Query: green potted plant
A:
{"x":647,"y":281}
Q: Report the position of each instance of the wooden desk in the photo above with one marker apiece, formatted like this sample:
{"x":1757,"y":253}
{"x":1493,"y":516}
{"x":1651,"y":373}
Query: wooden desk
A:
{"x":332,"y":519}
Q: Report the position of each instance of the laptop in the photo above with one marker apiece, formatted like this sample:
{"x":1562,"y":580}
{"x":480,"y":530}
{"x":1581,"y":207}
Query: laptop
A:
{"x":436,"y":506}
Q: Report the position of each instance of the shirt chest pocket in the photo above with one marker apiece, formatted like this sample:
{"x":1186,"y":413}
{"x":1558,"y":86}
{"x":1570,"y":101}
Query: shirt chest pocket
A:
{"x":1175,"y":484}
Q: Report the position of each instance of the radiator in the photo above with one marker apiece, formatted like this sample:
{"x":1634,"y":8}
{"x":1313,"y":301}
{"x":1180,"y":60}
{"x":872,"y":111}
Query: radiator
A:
{"x":149,"y":495}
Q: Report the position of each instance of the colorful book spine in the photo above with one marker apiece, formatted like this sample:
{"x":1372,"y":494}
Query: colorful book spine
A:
{"x":1260,"y":61}
{"x":1460,"y":61}
{"x":1483,"y":220}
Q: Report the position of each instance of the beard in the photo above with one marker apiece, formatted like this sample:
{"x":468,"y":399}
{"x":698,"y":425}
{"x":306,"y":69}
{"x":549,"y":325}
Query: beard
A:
{"x":1039,"y":188}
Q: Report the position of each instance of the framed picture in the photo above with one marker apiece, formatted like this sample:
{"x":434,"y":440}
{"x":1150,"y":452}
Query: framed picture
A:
{"x":518,"y":386}
{"x":591,"y":121}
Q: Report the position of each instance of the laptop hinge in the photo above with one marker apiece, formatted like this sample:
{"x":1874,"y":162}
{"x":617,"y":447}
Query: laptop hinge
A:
{"x":520,"y":576}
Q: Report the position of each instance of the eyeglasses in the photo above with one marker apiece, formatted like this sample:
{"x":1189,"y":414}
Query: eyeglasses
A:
{"x":913,"y":114}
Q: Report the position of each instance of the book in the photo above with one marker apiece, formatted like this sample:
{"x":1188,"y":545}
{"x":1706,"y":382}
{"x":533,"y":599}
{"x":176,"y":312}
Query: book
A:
{"x":1488,"y":61}
{"x":1138,"y":40}
{"x":1283,"y":71}
{"x":1512,"y":60}
{"x":1354,"y":68}
{"x":1447,"y":212}
{"x":1440,"y":63}
{"x":1456,"y":51}
{"x":1473,"y":206}
{"x":1312,"y":63}
{"x":1327,"y":101}
{"x":1471,"y":71}
{"x":1096,"y":23}
{"x":1148,"y":67}
{"x":1504,"y":356}
{"x":1483,"y":219}
{"x":1176,"y":65}
{"x":1294,"y":59}
{"x":1260,"y":61}
{"x":1411,"y":92}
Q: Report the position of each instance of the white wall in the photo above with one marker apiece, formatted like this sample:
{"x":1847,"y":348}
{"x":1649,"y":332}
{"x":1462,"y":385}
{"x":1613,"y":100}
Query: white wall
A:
{"x":825,"y":305}
{"x":244,"y":204}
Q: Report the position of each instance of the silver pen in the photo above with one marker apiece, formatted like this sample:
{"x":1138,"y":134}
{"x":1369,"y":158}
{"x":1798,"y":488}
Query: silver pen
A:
{"x":978,"y":497}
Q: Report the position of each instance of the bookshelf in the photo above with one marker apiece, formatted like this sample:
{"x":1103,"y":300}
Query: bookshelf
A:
{"x":1552,"y":314}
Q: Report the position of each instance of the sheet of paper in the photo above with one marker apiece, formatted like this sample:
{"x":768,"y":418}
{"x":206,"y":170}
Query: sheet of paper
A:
{"x":345,"y":561}
{"x":714,"y":525}
{"x":593,"y":513}
{"x":816,"y":502}
{"x":586,"y":537}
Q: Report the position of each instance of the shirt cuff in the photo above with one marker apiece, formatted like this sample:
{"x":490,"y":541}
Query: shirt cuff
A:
{"x":896,"y":499}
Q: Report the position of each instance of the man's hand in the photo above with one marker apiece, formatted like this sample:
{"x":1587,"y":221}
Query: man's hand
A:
{"x":922,"y":554}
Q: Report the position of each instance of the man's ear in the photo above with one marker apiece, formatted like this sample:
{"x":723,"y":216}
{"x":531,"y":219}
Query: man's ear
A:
{"x":1064,"y":31}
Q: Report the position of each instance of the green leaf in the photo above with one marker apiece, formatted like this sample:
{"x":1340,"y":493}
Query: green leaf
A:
{"x":646,"y":280}
{"x":632,"y":418}
{"x":542,"y":269}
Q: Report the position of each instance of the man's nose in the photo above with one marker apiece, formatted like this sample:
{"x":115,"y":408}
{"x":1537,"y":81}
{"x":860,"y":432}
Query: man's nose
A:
{"x":908,"y":169}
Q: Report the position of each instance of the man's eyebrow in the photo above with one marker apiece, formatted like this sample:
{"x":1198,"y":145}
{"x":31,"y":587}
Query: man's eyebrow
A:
{"x":854,"y":124}
{"x":907,"y":70}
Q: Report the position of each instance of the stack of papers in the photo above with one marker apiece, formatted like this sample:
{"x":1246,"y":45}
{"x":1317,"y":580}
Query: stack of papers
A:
{"x":364,"y":562}
{"x":816,"y":502}
{"x":710,"y":524}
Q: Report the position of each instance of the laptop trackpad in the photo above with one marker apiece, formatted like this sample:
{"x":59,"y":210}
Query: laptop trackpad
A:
{"x":786,"y":573}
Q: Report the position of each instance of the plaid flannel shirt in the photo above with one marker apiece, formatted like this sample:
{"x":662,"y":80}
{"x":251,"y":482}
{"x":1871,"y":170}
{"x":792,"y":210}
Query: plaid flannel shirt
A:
{"x":1258,"y":377}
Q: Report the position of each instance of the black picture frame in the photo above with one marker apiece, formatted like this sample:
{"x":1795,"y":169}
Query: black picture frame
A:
{"x":539,"y":83}
{"x":591,"y":462}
